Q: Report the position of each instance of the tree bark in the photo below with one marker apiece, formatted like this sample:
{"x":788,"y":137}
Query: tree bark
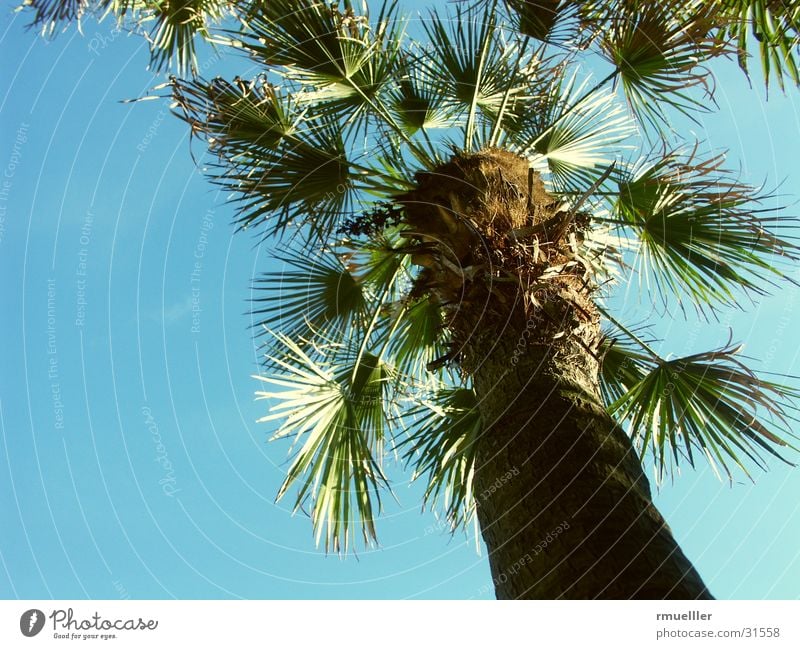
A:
{"x":563,"y":504}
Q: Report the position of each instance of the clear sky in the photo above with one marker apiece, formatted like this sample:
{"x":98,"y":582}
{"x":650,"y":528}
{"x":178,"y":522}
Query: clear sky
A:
{"x":131,"y":464}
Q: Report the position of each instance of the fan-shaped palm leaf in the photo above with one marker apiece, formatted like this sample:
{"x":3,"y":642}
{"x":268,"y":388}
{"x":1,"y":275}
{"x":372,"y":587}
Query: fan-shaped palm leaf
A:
{"x":336,"y":414}
{"x":176,"y":24}
{"x":702,"y":235}
{"x":415,"y":337}
{"x":48,"y":14}
{"x":546,"y":20}
{"x":377,"y":262}
{"x":576,"y":130}
{"x":441,"y":447}
{"x":421,"y":102}
{"x":314,"y":298}
{"x":288,"y":165}
{"x":337,"y":58}
{"x":479,"y":66}
{"x":776,"y":27}
{"x":709,"y":401}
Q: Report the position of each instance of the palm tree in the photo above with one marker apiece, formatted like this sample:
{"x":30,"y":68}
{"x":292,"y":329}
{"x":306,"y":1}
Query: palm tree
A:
{"x":455,"y":202}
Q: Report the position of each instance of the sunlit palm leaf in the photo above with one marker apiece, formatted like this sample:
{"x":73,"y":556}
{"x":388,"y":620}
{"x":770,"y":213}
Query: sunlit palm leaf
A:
{"x":479,"y":66}
{"x":421,"y":102}
{"x":441,"y":447}
{"x":577,"y":131}
{"x":287,"y":166}
{"x":335,"y":413}
{"x":604,"y":251}
{"x":50,"y":14}
{"x":708,"y":402}
{"x":776,"y":27}
{"x":703,"y":236}
{"x":177,"y":24}
{"x":337,"y":57}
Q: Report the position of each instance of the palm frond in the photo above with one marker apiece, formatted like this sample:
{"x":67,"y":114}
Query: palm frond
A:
{"x":441,"y":447}
{"x":176,"y":26}
{"x":575,"y":24}
{"x":604,"y":251}
{"x":287,"y":166}
{"x":335,"y":414}
{"x":546,"y":20}
{"x":702,"y":235}
{"x":776,"y":28}
{"x":624,"y":363}
{"x":480,"y":68}
{"x":658,"y":49}
{"x":415,"y":336}
{"x":51,"y":14}
{"x":48,"y":14}
{"x":338,"y":58}
{"x":708,"y":402}
{"x":420,"y":101}
{"x":377,"y":261}
{"x":576,"y":131}
{"x":313,"y":298}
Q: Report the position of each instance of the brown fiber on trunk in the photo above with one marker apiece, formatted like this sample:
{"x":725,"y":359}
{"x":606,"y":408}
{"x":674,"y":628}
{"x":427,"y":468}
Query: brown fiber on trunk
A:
{"x":563,"y":505}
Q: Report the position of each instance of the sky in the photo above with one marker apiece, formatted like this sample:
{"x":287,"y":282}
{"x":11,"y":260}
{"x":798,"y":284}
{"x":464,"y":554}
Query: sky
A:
{"x":131,"y":463}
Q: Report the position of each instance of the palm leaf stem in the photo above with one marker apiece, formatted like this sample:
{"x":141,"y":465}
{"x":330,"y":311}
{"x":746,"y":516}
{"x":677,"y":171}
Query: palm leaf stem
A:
{"x":390,"y":333}
{"x":473,"y":107}
{"x":632,"y":335}
{"x":500,"y":114}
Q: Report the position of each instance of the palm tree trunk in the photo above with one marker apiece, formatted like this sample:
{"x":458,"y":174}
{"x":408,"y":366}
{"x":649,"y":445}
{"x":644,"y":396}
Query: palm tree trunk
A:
{"x":564,"y":507}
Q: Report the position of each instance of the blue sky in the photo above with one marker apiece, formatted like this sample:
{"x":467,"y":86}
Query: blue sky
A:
{"x":131,"y":464}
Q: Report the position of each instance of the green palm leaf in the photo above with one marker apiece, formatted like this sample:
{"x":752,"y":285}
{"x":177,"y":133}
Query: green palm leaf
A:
{"x":379,"y":260}
{"x":337,"y":58}
{"x":420,"y":102}
{"x":335,"y":413}
{"x":441,"y":447}
{"x":552,"y":21}
{"x":48,"y":14}
{"x":658,"y":48}
{"x":480,"y":68}
{"x":709,"y":402}
{"x":776,"y":28}
{"x":415,"y":337}
{"x":287,"y":165}
{"x":314,"y":298}
{"x":176,"y":24}
{"x":702,"y":235}
{"x":575,"y":131}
